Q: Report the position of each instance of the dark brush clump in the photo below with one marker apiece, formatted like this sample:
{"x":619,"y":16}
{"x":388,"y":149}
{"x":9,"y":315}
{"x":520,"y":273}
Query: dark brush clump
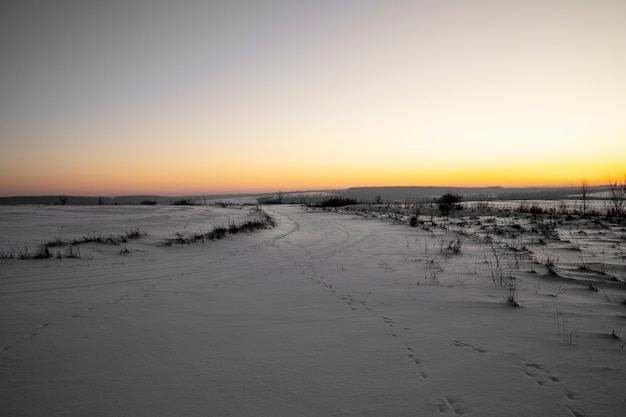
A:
{"x":337,"y":202}
{"x":259,"y":220}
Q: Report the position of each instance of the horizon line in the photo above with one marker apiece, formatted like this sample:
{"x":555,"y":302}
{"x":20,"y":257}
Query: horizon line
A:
{"x":251,"y":193}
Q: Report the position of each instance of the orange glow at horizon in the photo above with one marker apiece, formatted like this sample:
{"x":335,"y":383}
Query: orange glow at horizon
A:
{"x":329,"y":95}
{"x":259,"y":177}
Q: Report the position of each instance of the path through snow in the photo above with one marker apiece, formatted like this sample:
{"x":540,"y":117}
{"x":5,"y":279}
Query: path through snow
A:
{"x":325,"y":315}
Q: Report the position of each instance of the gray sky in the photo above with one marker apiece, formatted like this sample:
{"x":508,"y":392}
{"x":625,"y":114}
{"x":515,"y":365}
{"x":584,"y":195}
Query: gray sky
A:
{"x":435,"y":92}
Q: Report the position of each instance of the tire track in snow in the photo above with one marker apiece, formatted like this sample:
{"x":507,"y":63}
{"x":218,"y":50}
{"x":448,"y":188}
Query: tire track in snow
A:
{"x":318,"y":245}
{"x":447,"y":405}
{"x":308,"y":269}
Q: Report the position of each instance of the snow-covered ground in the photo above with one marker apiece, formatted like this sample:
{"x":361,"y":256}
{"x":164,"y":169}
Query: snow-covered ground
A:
{"x":327,"y":314}
{"x":22,"y":226}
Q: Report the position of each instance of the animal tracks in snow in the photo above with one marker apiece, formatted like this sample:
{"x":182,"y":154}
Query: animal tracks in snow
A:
{"x":547,"y":380}
{"x":392,"y":324}
{"x":388,"y":321}
{"x":468,"y":347}
{"x":538,"y":374}
{"x":148,"y":290}
{"x":118,"y":299}
{"x":309,"y":271}
{"x":450,"y":405}
{"x":38,"y":329}
{"x":352,"y":302}
{"x":384,"y":265}
{"x":410,"y":354}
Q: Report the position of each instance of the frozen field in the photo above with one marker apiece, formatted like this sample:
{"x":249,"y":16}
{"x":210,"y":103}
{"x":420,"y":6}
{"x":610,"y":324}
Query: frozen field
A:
{"x":22,"y":226}
{"x":326,"y":314}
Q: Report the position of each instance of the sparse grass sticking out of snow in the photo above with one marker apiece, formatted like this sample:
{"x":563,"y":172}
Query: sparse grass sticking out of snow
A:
{"x":43,"y":250}
{"x":566,"y":334}
{"x":258,"y":220}
{"x":432,"y":268}
{"x":521,"y":234}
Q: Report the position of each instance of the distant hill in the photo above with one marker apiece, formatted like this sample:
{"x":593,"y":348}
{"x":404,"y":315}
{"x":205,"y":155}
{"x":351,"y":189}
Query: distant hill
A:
{"x":385,"y":194}
{"x":389,"y":194}
{"x":80,"y":200}
{"x":121,"y":200}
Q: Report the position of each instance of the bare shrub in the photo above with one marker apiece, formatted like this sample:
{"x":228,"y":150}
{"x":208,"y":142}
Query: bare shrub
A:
{"x":584,"y":196}
{"x":431,"y":270}
{"x":617,"y":199}
{"x":453,"y":248}
{"x":448,"y":202}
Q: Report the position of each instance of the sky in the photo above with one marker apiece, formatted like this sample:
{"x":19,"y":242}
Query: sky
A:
{"x":197,"y":97}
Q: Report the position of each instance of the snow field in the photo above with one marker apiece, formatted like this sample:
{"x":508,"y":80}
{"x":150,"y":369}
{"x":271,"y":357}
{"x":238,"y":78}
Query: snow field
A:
{"x":325,"y":314}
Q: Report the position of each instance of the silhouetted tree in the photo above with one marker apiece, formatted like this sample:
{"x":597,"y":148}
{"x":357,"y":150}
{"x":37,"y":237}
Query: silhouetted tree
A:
{"x":449,"y":202}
